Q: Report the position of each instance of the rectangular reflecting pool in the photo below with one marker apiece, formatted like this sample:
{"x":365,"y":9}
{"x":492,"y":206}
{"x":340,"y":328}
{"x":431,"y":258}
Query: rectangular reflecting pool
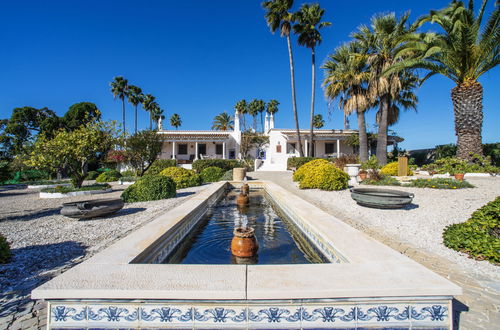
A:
{"x":279,"y":240}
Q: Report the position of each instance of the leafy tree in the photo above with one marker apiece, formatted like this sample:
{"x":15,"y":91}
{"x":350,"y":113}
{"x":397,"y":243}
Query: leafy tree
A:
{"x":278,"y":16}
{"x":308,"y":25}
{"x":119,"y":88}
{"x":80,"y":114}
{"x":318,"y":121}
{"x":73,"y":150}
{"x":135,"y":98}
{"x":142,"y":149}
{"x":148,"y":103}
{"x":251,"y":140}
{"x":223,"y":122}
{"x":463,"y":51}
{"x":242,"y":108}
{"x":175,"y":121}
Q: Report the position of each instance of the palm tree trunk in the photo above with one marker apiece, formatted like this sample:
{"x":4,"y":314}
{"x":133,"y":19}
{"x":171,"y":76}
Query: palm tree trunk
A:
{"x":363,"y":137}
{"x":468,"y":108}
{"x":313,"y":61}
{"x":135,"y":119}
{"x":150,"y":122}
{"x":262,"y":121}
{"x":382,"y":130}
{"x":294,"y":100}
{"x":123,"y":114}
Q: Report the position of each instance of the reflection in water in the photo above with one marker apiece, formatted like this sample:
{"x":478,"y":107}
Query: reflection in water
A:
{"x":280,"y":242}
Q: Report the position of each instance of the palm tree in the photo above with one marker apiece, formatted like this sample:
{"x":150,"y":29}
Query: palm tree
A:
{"x":462,"y":52}
{"x":272,"y":107}
{"x":119,"y":88}
{"x":156,"y":114}
{"x":383,"y":40}
{"x":175,"y":121}
{"x":278,"y":16}
{"x":347,"y":77}
{"x":318,"y":121}
{"x":148,"y":105}
{"x":253,"y":109}
{"x":308,"y":25}
{"x":223,"y":122}
{"x":261,"y":107}
{"x":135,"y":97}
{"x":242,"y":108}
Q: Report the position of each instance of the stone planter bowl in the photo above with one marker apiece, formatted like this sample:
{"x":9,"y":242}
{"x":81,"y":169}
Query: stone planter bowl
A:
{"x":91,"y":209}
{"x":381,"y":198}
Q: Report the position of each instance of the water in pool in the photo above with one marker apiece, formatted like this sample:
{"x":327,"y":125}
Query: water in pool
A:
{"x":280,"y":242}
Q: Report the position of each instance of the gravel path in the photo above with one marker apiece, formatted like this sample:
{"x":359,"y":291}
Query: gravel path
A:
{"x":45,"y":243}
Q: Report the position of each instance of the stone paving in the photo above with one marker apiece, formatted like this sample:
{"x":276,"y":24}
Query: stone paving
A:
{"x":477,"y":308}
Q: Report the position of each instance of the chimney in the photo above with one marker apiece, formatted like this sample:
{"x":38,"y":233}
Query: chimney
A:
{"x":266,"y":123}
{"x":271,"y":122}
{"x":237,"y":127}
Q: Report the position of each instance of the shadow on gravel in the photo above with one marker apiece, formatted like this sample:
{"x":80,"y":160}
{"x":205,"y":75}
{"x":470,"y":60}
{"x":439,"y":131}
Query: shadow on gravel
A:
{"x":184,"y":194}
{"x":30,"y":216}
{"x":458,"y":307}
{"x":10,"y":194}
{"x":120,"y":213}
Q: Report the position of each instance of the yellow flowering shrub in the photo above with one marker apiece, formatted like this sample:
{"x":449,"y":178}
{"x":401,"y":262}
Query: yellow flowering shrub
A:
{"x":182,"y":177}
{"x":324,"y":176}
{"x":299,"y":174}
{"x":392,"y":169}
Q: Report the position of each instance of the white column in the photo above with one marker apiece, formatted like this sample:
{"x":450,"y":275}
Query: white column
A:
{"x":338,"y":148}
{"x":173,"y":149}
{"x":306,"y":147}
{"x":196,"y":150}
{"x":223,"y":150}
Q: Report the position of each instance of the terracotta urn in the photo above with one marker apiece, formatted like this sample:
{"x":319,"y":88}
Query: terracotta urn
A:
{"x":244,"y":244}
{"x":245,"y":189}
{"x":459,"y":176}
{"x":242,"y":199}
{"x":362,"y":175}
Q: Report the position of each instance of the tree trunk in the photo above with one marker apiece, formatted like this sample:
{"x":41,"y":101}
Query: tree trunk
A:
{"x":294,"y":100}
{"x":363,"y":137}
{"x":135,"y":119}
{"x":150,"y":122}
{"x":262,"y":121}
{"x":468,"y":108}
{"x":123,"y":115}
{"x":382,"y":130}
{"x":313,"y":87}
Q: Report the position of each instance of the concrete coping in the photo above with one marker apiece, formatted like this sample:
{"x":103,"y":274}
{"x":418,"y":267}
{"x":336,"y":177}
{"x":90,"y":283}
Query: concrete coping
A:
{"x":371,"y":270}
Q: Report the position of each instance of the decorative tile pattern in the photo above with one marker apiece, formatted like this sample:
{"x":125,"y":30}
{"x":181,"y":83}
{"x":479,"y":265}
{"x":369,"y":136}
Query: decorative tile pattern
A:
{"x":242,"y":314}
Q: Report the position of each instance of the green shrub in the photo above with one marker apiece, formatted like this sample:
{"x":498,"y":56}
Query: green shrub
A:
{"x":5,"y":172}
{"x":384,"y":181}
{"x":108,"y":176}
{"x":129,"y":178}
{"x":479,"y":236}
{"x":66,"y":189}
{"x":392,"y":169}
{"x":182,"y":177}
{"x":159,"y":165}
{"x":297,"y":162}
{"x":226,"y":164}
{"x":149,"y":188}
{"x":298,"y":175}
{"x":212,"y":174}
{"x":92,"y":175}
{"x":324,"y":176}
{"x":128,"y":173}
{"x":31,"y":175}
{"x":228,"y":176}
{"x":5,"y":253}
{"x":440,"y":183}
{"x":343,"y":160}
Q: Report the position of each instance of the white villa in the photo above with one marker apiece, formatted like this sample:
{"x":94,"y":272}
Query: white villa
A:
{"x":187,"y":146}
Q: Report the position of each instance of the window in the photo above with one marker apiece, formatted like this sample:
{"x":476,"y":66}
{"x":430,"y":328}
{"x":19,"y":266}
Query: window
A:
{"x":329,"y":148}
{"x":182,"y":149}
{"x":218,"y":149}
{"x":290,"y":148}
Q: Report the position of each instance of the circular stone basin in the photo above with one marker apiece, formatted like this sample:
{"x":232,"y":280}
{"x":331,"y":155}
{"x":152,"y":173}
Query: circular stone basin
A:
{"x":381,"y":198}
{"x":92,"y":208}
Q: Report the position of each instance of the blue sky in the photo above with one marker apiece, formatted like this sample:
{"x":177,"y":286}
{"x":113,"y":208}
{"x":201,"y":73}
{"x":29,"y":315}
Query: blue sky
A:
{"x":198,"y":58}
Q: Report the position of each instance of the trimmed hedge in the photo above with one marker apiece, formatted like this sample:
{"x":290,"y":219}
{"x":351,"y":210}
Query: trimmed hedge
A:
{"x":128,"y":173}
{"x":31,"y":175}
{"x":5,"y":253}
{"x":324,"y":176}
{"x":226,"y":164}
{"x":108,"y":176}
{"x":212,"y":174}
{"x":182,"y":177}
{"x":440,"y":183}
{"x":479,"y":236}
{"x":150,"y":188}
{"x":309,"y":166}
{"x":392,"y":169}
{"x":66,"y":189}
{"x":297,"y":162}
{"x":92,"y":175}
{"x":228,"y":176}
{"x":159,"y":165}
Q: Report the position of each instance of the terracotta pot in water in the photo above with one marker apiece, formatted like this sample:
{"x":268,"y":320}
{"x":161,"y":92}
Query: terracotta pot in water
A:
{"x":362,"y":176}
{"x":245,"y":189}
{"x":244,"y":244}
{"x":242,"y":199}
{"x":459,"y":176}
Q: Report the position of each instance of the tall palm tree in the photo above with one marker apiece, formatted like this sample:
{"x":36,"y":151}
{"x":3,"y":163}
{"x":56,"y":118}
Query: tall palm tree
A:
{"x":119,"y":88}
{"x":242,"y":108}
{"x":272,"y":107}
{"x":278,"y":16}
{"x":135,"y":97}
{"x":463,"y":51}
{"x":261,"y":107}
{"x":384,"y":39}
{"x":318,"y":121}
{"x":148,"y":105}
{"x":223,"y":122}
{"x":308,"y":25}
{"x":175,"y":121}
{"x":156,"y":114}
{"x":253,"y":110}
{"x":346,"y":77}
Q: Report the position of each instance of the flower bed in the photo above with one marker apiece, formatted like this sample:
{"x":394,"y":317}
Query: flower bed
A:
{"x":64,"y":191}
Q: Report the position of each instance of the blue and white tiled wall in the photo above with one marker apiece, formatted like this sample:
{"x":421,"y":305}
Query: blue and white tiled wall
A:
{"x":257,"y":314}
